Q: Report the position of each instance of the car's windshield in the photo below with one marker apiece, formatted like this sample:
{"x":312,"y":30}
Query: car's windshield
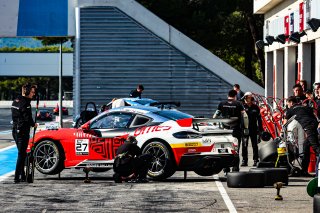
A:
{"x":173,"y":114}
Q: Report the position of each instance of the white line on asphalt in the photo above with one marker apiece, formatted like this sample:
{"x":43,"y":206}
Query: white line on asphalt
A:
{"x":5,"y":176}
{"x":224,"y":195}
{"x":6,"y":148}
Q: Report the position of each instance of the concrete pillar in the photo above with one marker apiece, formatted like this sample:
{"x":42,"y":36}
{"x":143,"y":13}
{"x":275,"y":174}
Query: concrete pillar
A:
{"x":304,"y":61}
{"x":289,"y":70}
{"x":278,"y":60}
{"x":268,"y":74}
{"x":317,"y":60}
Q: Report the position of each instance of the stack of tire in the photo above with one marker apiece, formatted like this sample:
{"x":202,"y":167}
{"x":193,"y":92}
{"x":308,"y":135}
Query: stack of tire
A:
{"x":264,"y":175}
{"x":257,"y":178}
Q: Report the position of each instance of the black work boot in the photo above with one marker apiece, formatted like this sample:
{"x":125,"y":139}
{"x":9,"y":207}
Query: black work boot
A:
{"x":244,"y":163}
{"x":255,"y":162}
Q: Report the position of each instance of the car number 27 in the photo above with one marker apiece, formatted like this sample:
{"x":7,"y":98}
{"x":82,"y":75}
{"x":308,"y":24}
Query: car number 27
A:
{"x":82,"y":146}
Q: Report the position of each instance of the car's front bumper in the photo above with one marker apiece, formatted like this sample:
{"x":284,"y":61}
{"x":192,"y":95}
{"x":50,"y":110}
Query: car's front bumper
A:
{"x":198,"y":160}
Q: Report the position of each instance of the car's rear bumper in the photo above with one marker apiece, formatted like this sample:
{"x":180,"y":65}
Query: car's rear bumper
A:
{"x":194,"y":161}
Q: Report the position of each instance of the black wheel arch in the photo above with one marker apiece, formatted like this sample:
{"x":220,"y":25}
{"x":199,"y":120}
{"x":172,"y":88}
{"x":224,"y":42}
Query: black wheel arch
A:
{"x":57,"y":142}
{"x":162,"y":141}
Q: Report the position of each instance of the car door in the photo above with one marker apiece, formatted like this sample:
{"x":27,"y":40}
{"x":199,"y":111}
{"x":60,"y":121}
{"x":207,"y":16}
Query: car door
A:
{"x":109,"y":132}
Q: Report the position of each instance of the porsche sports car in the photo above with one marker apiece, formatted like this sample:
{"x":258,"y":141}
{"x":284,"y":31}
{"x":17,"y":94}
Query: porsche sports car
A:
{"x":170,"y":136}
{"x":92,"y":111}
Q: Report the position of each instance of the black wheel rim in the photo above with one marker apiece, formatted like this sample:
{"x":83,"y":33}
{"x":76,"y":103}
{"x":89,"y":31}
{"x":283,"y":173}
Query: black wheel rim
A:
{"x":159,"y":159}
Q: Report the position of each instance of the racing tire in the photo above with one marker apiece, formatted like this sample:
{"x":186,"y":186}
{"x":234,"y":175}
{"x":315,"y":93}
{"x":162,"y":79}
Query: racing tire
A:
{"x":268,"y":152}
{"x":245,"y":179}
{"x":162,"y":165}
{"x":264,"y":164}
{"x":49,"y":157}
{"x":208,"y":171}
{"x":316,"y":203}
{"x":273,"y":175}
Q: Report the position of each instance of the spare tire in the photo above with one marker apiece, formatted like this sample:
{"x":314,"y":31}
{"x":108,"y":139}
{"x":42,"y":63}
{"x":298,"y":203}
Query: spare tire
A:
{"x":268,"y":152}
{"x":273,"y":175}
{"x":245,"y":179}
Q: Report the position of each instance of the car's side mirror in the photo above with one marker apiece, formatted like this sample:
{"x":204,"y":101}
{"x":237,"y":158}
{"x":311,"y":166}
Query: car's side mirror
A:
{"x":86,"y":126}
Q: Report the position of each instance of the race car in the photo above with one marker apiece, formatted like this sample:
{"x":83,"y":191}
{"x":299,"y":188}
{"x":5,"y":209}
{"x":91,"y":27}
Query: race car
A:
{"x":91,"y":111}
{"x":170,"y":136}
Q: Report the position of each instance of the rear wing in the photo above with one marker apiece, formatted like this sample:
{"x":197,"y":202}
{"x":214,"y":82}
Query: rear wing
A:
{"x":232,"y":121}
{"x":187,"y":122}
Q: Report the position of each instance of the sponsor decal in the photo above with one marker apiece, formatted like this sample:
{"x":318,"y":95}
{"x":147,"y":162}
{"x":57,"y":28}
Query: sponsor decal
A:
{"x":149,"y":129}
{"x":192,"y":150}
{"x":192,"y":144}
{"x":206,"y":140}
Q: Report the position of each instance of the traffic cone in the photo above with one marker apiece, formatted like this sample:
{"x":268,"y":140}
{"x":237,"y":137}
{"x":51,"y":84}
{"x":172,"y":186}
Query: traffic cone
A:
{"x":312,"y":164}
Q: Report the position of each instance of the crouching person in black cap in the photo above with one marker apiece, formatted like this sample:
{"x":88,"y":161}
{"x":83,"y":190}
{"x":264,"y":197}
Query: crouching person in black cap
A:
{"x":130,"y":164}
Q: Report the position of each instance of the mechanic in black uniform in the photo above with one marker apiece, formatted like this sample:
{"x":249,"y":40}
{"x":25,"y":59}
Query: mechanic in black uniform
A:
{"x":136,"y":93}
{"x":233,"y":108}
{"x":22,"y":121}
{"x":130,"y":160}
{"x":255,"y":128}
{"x":306,"y":118}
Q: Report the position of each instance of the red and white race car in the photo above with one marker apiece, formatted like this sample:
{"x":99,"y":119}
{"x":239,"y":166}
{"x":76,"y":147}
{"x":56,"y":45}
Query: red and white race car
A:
{"x":172,"y":137}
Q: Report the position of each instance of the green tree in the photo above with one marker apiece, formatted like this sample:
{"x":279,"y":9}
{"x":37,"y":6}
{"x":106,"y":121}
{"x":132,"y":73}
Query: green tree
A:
{"x":227,"y":28}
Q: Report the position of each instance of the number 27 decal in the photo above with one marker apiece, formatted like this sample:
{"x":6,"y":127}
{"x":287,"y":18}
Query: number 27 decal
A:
{"x":82,"y":146}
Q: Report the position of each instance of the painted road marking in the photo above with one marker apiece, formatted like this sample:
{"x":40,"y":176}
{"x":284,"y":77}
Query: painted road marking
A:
{"x":8,"y":158}
{"x":224,"y":195}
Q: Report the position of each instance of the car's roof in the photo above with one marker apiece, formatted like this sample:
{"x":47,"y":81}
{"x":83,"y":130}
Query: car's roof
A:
{"x":141,"y":108}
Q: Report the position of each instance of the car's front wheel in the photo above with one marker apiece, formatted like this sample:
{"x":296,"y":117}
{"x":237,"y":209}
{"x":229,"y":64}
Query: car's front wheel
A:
{"x":162,"y":165}
{"x":49,"y":157}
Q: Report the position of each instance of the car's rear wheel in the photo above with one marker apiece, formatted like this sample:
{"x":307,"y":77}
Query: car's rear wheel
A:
{"x":162,"y":164}
{"x":208,"y":171}
{"x":49,"y":157}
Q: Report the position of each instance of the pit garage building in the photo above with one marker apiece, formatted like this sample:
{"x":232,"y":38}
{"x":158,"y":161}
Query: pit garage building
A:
{"x":292,"y":50}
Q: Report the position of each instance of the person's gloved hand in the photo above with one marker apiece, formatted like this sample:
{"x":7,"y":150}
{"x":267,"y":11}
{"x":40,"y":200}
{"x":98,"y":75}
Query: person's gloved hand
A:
{"x":246,"y":132}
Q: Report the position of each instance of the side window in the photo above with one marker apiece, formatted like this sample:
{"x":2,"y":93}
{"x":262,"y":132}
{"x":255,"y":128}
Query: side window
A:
{"x":112,"y":121}
{"x":140,"y":120}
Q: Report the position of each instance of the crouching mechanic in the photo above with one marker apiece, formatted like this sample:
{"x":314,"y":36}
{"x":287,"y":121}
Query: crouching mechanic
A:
{"x":130,"y":163}
{"x":233,"y":108}
{"x":306,"y":118}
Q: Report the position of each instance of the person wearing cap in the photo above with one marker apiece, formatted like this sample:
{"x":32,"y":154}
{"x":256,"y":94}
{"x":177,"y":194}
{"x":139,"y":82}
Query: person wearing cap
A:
{"x":130,"y":163}
{"x":255,"y":128}
{"x":308,"y":121}
{"x":233,"y":108}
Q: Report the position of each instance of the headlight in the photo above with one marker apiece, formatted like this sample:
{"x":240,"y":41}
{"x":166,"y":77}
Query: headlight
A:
{"x":186,"y":134}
